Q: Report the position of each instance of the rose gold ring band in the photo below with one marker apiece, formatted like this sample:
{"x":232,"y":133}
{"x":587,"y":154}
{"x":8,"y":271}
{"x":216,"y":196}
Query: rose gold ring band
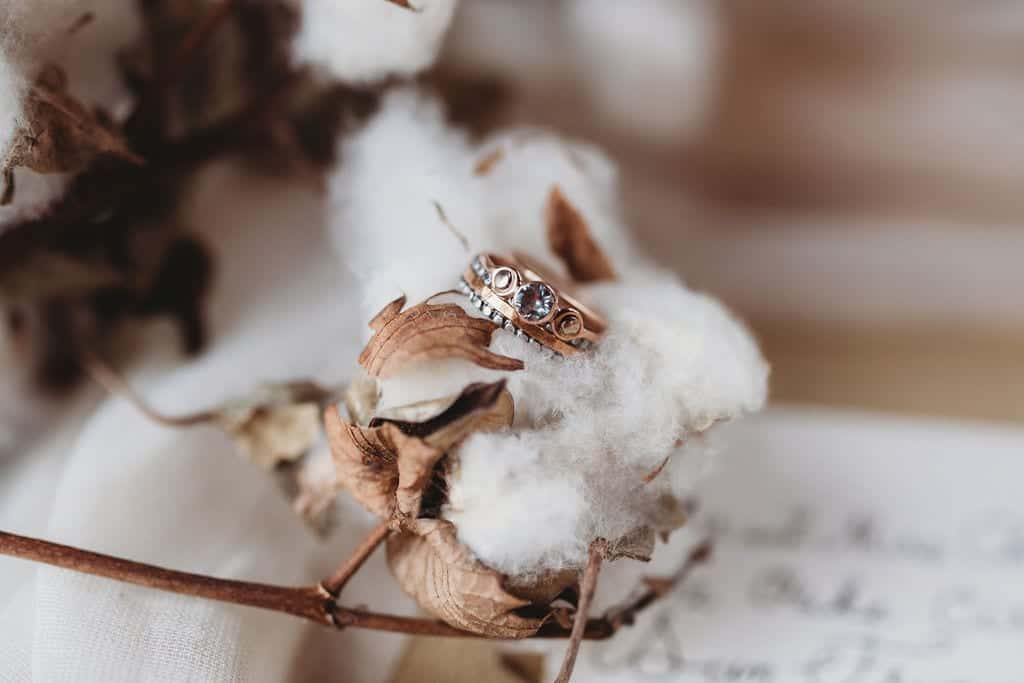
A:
{"x":517,"y":296}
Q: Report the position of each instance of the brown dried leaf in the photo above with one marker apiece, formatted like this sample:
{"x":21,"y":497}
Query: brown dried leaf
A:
{"x":404,"y":4}
{"x":60,"y":133}
{"x":366,"y":461}
{"x":429,"y":332}
{"x":636,"y":545}
{"x":446,"y":580}
{"x":487,"y":162}
{"x":387,"y":465}
{"x":277,"y":423}
{"x":571,"y":240}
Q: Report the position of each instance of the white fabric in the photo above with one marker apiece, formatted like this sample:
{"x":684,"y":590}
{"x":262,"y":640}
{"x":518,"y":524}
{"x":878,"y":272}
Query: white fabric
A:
{"x":182,"y":499}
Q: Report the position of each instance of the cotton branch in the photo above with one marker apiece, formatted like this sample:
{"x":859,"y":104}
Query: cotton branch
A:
{"x":336,"y":581}
{"x":115,"y":384}
{"x":308,"y":603}
{"x":314,"y":603}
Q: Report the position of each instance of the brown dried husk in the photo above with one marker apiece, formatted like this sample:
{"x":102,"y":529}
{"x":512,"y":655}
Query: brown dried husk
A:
{"x":387,"y":465}
{"x":446,"y":580}
{"x":429,"y":332}
{"x":569,"y":237}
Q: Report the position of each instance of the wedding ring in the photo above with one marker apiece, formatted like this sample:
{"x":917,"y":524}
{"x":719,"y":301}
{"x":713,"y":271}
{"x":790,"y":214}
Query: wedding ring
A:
{"x":514,"y":294}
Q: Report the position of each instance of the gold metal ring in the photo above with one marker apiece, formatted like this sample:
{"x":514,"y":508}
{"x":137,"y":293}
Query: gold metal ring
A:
{"x":519,"y":297}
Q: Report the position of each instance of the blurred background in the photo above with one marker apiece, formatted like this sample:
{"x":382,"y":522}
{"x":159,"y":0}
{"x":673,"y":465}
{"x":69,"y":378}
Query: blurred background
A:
{"x":846,"y":175}
{"x":843,"y":174}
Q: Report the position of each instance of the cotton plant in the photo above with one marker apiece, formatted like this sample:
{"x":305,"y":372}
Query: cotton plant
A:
{"x":502,"y":475}
{"x":601,"y":450}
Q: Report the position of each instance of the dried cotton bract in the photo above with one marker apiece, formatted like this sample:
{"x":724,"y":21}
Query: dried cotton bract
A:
{"x":605,"y":444}
{"x":368,"y":40}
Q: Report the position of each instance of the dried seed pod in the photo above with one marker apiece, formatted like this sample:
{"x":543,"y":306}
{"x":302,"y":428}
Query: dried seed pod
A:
{"x":387,"y":465}
{"x":446,"y":580}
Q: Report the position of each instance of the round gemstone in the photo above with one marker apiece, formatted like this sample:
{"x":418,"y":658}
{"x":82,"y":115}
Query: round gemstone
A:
{"x":534,"y":301}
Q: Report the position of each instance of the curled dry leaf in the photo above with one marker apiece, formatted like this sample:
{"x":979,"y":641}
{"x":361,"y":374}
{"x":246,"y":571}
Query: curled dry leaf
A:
{"x":429,"y":332}
{"x":570,"y":239}
{"x":446,"y":580}
{"x":388,"y":464}
{"x":59,"y":133}
{"x":277,"y":423}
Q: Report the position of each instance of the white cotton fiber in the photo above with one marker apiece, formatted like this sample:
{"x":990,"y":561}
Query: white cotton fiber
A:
{"x":11,"y":94}
{"x":38,"y":32}
{"x":368,"y":40}
{"x":510,"y":480}
{"x":588,"y":428}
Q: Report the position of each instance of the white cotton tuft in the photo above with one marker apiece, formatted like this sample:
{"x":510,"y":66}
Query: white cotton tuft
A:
{"x":11,"y":102}
{"x":508,"y":488}
{"x":409,"y":162}
{"x":368,"y":40}
{"x":589,"y":428}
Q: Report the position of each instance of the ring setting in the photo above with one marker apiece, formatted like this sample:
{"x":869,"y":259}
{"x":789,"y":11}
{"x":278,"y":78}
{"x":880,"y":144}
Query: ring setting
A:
{"x":516,"y":296}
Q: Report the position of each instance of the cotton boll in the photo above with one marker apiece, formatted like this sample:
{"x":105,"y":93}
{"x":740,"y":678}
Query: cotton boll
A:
{"x":673,"y":363}
{"x":367,"y":40}
{"x":662,"y":91}
{"x":592,"y":429}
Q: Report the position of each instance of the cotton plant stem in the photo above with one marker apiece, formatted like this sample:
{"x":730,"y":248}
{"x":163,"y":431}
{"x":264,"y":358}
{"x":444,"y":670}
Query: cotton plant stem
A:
{"x":587,"y":587}
{"x":114,"y":383}
{"x":307,"y":602}
{"x":334,"y":584}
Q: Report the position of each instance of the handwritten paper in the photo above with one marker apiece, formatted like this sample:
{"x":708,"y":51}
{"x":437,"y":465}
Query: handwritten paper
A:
{"x":848,"y":550}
